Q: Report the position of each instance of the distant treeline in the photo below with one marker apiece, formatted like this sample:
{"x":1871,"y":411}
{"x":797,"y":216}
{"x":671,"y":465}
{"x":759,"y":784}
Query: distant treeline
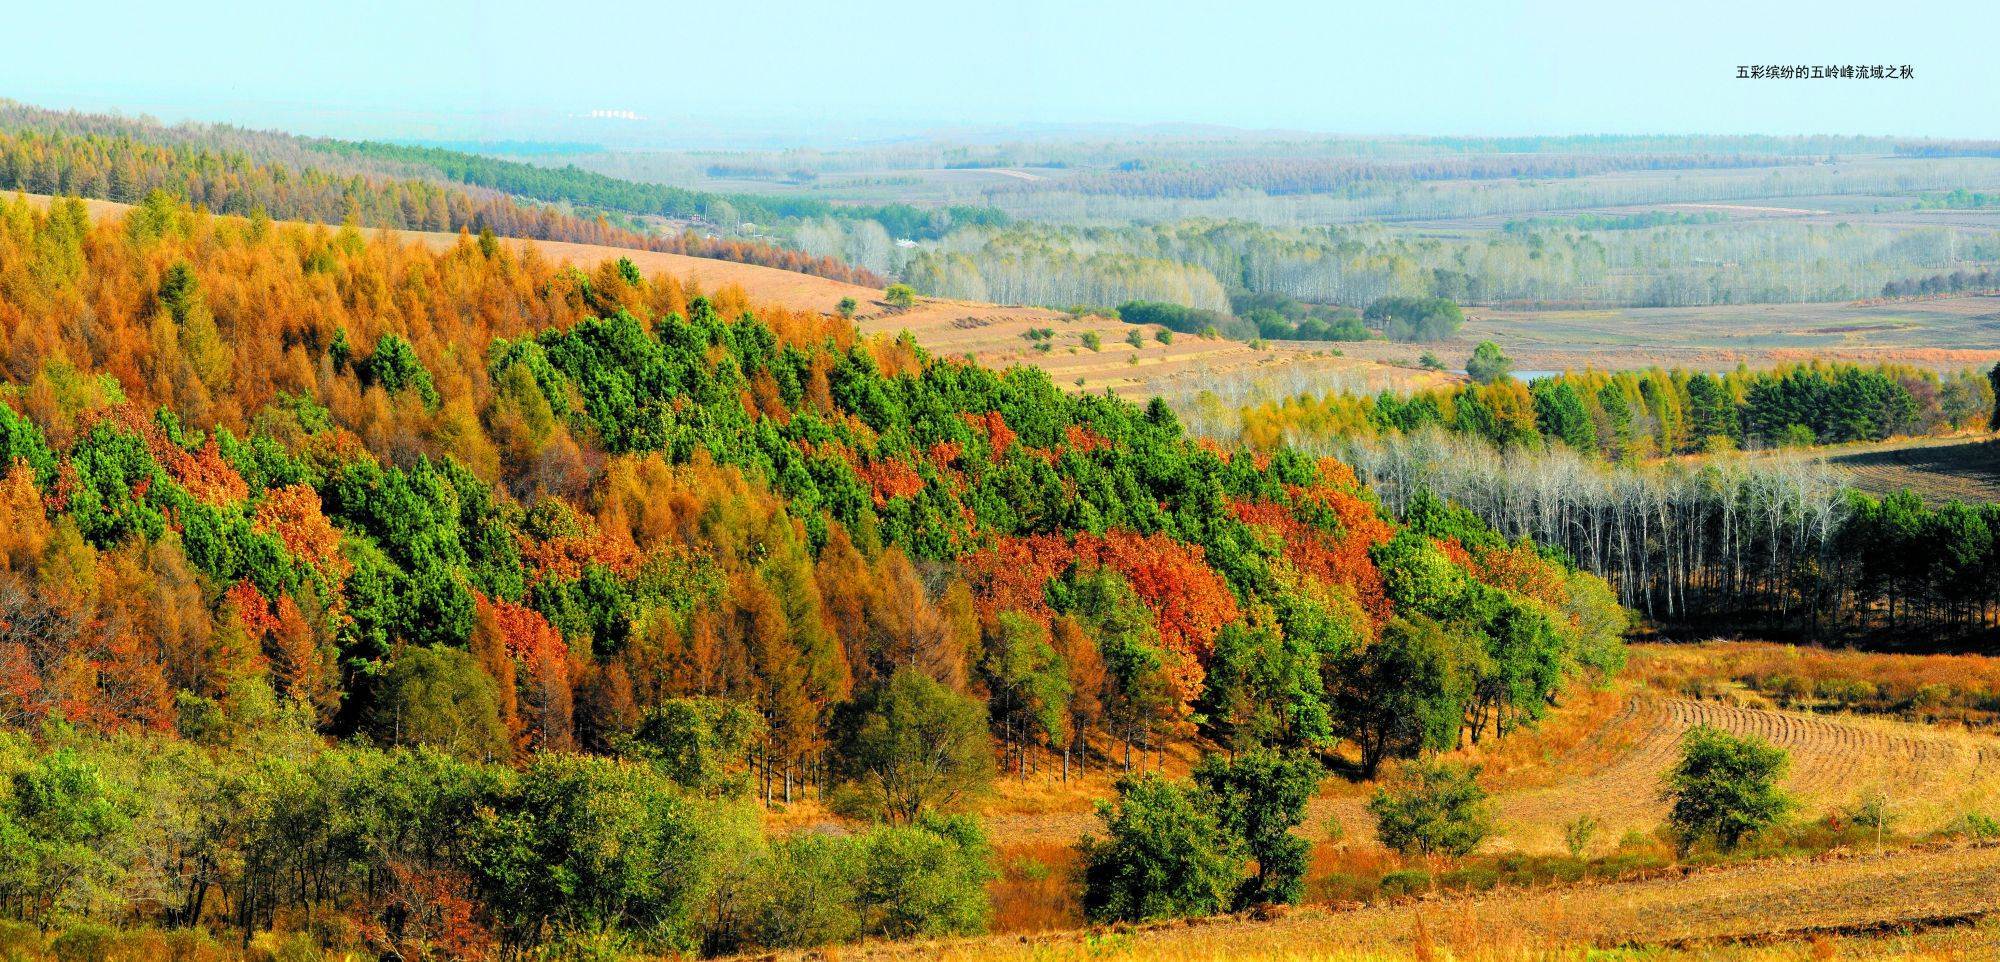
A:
{"x":1950,"y":148}
{"x":1197,"y":261}
{"x":1959,"y":199}
{"x":1775,"y":546}
{"x":1329,"y":175}
{"x":1952,"y":283}
{"x":578,"y":186}
{"x":1640,"y":221}
{"x":1632,"y":415}
{"x":1281,"y":318}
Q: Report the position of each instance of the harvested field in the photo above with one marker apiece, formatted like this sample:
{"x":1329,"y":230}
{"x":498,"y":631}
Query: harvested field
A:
{"x":1756,"y":902}
{"x":1943,"y":333}
{"x":1937,"y":470}
{"x":1928,"y":777}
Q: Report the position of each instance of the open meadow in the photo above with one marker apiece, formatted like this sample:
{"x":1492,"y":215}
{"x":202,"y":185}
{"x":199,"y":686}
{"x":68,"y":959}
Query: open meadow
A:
{"x":1941,"y":333}
{"x":1908,"y":733}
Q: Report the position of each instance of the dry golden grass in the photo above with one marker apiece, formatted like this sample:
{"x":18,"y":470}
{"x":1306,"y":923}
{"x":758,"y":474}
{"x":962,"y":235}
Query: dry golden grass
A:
{"x":1938,"y":471}
{"x":1604,"y":754}
{"x":1929,"y":688}
{"x":1791,"y":909}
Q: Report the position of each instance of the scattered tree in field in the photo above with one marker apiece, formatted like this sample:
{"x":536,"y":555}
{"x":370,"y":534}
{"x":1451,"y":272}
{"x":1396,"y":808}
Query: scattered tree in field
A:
{"x":1165,"y":855}
{"x":1405,"y":693}
{"x":913,"y":746}
{"x":1136,"y":338}
{"x":1260,"y":797}
{"x":1725,"y":788}
{"x":899,"y":296}
{"x":1415,"y":318}
{"x":847,"y":306}
{"x":1430,"y":362}
{"x":1578,"y":833}
{"x":1487,"y":364}
{"x":1432,"y":808}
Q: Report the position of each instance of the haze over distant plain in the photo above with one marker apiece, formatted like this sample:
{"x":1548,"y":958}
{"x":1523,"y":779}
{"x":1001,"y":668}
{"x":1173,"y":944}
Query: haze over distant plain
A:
{"x":789,"y":72}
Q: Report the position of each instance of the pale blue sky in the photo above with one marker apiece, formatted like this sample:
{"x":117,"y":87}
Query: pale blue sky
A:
{"x":490,"y":70}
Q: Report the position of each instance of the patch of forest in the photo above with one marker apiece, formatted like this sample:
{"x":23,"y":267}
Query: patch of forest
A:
{"x":491,"y":596}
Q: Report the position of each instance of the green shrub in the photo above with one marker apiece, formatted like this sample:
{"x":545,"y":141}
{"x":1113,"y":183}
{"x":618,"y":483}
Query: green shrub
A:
{"x":806,"y":893}
{"x":1164,"y":856}
{"x":1432,"y":808}
{"x":1577,"y":834}
{"x":926,"y":880}
{"x":86,"y":942}
{"x":1405,"y":882}
{"x":1469,"y":879}
{"x":1725,"y":788}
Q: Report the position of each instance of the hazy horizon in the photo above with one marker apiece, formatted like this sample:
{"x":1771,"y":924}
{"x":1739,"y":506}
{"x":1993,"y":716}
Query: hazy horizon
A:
{"x":682,"y":76}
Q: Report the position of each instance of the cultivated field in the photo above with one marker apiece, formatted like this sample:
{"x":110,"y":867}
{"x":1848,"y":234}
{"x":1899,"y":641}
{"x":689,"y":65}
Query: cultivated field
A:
{"x":990,"y":334}
{"x":1946,"y":333}
{"x":1795,"y":900}
{"x":1613,"y":771}
{"x":1939,"y":470}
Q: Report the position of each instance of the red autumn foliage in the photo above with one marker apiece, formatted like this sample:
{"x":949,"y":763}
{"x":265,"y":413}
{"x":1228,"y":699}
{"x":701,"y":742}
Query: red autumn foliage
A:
{"x":993,"y":427}
{"x":1325,"y":557}
{"x":1085,"y":440}
{"x":252,"y":609}
{"x":542,"y":675}
{"x":1190,"y":602}
{"x":890,"y":478}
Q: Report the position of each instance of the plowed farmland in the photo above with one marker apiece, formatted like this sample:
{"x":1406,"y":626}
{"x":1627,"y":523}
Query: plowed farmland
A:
{"x":1926,"y":776}
{"x":1756,"y":902}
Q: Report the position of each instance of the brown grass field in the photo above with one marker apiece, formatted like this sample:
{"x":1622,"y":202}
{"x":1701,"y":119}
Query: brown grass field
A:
{"x":990,"y":334}
{"x":1611,"y":767}
{"x":1938,"y":470}
{"x":1602,"y":753}
{"x":1842,"y":901}
{"x":1945,"y":333}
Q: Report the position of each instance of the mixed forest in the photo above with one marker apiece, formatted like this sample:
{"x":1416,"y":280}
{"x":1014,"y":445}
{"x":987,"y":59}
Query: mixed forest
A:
{"x":457,"y":602}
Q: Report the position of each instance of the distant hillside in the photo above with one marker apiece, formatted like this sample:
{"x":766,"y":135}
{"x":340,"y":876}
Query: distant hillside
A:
{"x":234,"y":171}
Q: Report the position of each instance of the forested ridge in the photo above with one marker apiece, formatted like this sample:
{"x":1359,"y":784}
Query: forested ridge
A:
{"x":454,"y":602}
{"x":1635,"y":474}
{"x":231,"y":171}
{"x":1637,"y":415}
{"x":574,"y":185}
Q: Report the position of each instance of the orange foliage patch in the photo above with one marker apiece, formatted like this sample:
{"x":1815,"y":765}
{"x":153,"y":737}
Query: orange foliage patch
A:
{"x":889,"y":478}
{"x":564,"y":557}
{"x":1190,"y":602}
{"x":252,"y":608}
{"x":993,"y":427}
{"x":293,"y":515}
{"x":1085,"y":440}
{"x":1330,"y":559}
